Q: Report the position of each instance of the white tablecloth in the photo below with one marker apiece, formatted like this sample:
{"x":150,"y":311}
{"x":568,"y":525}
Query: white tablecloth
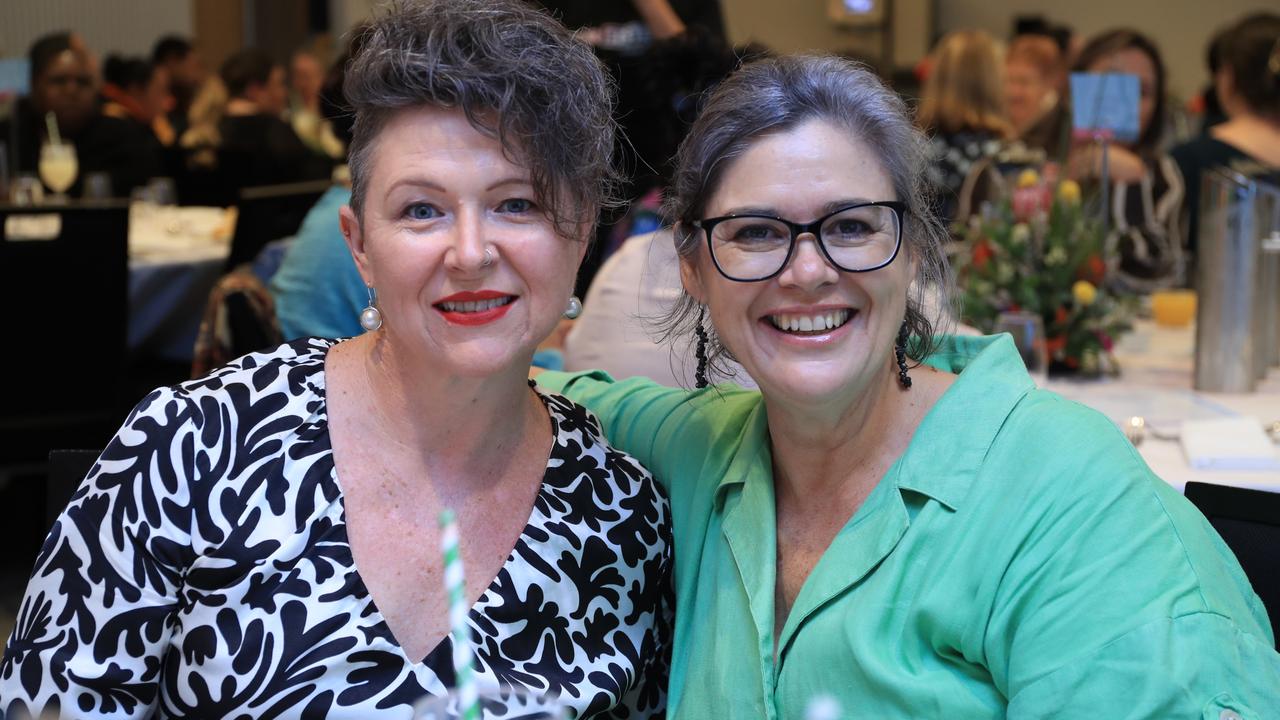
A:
{"x":1156,"y":382}
{"x":176,"y":254}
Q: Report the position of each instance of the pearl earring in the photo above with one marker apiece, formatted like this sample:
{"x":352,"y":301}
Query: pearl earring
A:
{"x":370,"y":318}
{"x":574,"y":309}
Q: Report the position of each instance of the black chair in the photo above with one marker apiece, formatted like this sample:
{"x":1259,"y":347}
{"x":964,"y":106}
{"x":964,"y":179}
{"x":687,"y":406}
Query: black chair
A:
{"x":62,"y":375}
{"x":1249,"y":522}
{"x":67,"y":469}
{"x":270,"y":212}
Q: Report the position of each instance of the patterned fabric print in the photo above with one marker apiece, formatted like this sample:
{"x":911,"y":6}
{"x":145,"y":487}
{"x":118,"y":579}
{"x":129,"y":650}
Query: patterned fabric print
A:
{"x":952,"y":158}
{"x":203,"y":570}
{"x":1144,"y":246}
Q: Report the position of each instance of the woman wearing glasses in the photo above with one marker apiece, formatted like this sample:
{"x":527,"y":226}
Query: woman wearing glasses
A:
{"x":897,"y":519}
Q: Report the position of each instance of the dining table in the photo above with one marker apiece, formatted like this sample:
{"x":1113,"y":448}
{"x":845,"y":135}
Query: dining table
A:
{"x":176,"y":255}
{"x":1155,"y":382}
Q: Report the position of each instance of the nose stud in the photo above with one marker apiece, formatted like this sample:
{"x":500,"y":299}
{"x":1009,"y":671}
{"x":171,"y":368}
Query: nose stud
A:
{"x":488,"y":258}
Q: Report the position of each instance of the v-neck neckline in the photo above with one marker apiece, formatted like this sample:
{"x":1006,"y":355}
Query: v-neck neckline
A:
{"x":380,"y":620}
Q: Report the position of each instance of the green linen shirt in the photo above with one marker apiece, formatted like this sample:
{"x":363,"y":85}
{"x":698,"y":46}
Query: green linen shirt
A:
{"x":1018,"y":560}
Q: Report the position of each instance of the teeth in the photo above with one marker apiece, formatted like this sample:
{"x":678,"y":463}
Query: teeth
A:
{"x":820,"y":322}
{"x":478,"y":306}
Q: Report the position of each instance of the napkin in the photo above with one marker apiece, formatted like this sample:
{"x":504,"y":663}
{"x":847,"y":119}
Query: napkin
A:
{"x":1236,"y":443}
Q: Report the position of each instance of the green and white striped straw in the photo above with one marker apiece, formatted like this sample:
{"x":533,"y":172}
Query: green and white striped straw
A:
{"x":468,"y":698}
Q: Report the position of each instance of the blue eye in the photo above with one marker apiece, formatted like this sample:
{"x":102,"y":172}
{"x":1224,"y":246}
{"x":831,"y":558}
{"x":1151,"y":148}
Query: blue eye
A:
{"x":421,"y":211}
{"x":516,"y":205}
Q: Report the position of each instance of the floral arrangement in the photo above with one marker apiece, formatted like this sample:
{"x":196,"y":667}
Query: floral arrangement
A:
{"x":1037,"y":251}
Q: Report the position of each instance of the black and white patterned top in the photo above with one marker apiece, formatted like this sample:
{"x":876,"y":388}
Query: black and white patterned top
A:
{"x":203,"y":570}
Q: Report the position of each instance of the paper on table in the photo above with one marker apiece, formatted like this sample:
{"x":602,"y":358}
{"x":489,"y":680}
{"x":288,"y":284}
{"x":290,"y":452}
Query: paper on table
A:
{"x":1236,"y":443}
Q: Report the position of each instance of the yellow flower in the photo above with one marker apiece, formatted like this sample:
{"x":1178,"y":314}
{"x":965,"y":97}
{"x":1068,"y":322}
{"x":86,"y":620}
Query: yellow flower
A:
{"x":1020,"y":234}
{"x":1069,"y":192}
{"x":1084,"y":292}
{"x":1028,"y":178}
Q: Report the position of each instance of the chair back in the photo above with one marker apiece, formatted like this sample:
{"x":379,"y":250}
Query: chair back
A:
{"x":1249,"y":522}
{"x":67,"y":469}
{"x":270,"y":212}
{"x":68,"y":282}
{"x":239,"y":318}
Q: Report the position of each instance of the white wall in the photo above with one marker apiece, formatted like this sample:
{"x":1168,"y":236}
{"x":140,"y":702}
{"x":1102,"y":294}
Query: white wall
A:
{"x":120,"y":26}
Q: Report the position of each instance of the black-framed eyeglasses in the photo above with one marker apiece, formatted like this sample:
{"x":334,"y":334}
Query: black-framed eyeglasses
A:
{"x":855,"y":238}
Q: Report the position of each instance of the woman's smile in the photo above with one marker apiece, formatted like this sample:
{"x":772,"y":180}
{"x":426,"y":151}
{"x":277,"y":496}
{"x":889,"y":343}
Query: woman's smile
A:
{"x":475,"y":308}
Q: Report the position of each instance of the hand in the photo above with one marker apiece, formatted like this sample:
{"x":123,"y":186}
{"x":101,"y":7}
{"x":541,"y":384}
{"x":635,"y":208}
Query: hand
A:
{"x":1085,"y":161}
{"x":660,"y":18}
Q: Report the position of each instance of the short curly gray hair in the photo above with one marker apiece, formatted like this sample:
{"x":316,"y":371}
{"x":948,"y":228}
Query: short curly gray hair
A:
{"x":519,"y":76}
{"x":778,"y":94}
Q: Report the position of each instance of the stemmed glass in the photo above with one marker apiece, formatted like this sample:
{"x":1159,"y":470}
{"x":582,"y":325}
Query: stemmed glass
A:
{"x":58,"y":169}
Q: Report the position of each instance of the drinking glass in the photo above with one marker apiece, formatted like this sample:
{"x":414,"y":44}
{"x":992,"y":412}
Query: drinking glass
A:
{"x":97,"y":186}
{"x":1027,"y":330}
{"x":26,"y":191}
{"x":1173,"y":308}
{"x":58,"y":168}
{"x":495,"y":704}
{"x":162,"y":191}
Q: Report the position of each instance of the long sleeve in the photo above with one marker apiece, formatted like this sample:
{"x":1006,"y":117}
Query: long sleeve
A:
{"x":97,"y":614}
{"x":1113,"y":597}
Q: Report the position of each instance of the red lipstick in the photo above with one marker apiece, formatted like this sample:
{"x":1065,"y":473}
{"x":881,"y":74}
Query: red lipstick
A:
{"x":449,"y":307}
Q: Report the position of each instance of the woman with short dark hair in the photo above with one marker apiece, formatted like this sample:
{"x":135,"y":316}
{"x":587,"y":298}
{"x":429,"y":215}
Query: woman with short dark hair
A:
{"x":263,"y":541}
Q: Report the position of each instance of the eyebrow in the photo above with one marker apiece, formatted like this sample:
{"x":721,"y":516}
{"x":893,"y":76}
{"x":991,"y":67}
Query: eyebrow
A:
{"x":827,"y":209}
{"x":421,"y":182}
{"x":415,"y":182}
{"x":514,"y":180}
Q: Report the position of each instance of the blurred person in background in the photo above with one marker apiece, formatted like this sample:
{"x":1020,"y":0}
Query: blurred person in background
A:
{"x":200,"y":141}
{"x":1143,"y":247}
{"x":640,"y":274}
{"x":138,"y":90}
{"x":1032,"y":80}
{"x":622,"y":32}
{"x":317,"y":290}
{"x":258,"y":146}
{"x":1248,"y":86}
{"x":186,"y":76}
{"x":1206,"y":104}
{"x":306,"y":81}
{"x":962,"y":112}
{"x":62,"y":83}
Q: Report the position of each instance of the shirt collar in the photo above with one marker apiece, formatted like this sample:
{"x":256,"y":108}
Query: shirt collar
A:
{"x":953,"y":440}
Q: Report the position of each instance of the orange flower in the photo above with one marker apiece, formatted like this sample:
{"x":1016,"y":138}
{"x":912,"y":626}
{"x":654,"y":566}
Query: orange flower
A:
{"x":981,"y":255}
{"x":1055,"y":344}
{"x":1093,"y":270}
{"x":1060,"y":316}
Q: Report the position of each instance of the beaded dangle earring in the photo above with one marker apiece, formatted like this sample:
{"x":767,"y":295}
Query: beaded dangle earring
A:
{"x":700,"y":376}
{"x":900,"y":352}
{"x":370,"y":317}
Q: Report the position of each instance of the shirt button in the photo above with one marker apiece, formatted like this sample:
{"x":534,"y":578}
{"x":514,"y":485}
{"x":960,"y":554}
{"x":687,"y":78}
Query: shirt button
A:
{"x":1229,"y":715}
